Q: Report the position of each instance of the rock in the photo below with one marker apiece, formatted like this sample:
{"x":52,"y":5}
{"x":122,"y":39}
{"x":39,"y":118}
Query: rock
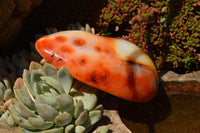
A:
{"x":172,"y":76}
{"x":112,"y":120}
{"x":182,"y":83}
{"x":12,"y":13}
{"x":117,"y":126}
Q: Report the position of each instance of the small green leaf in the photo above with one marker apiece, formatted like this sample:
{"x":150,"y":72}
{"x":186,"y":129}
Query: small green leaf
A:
{"x":79,"y":108}
{"x":24,"y":110}
{"x":22,"y":122}
{"x":63,"y":119}
{"x":22,"y":94}
{"x":94,"y":116}
{"x":79,"y":129}
{"x":34,"y":66}
{"x":46,"y":111}
{"x":54,"y":130}
{"x":69,"y":128}
{"x":36,"y":77}
{"x":88,"y":98}
{"x":50,"y":70}
{"x":82,"y":118}
{"x":40,"y":123}
{"x":65,"y":79}
{"x":46,"y":98}
{"x":65,"y":102}
{"x":2,"y":90}
{"x":27,"y":81}
{"x":8,"y":94}
{"x":102,"y":129}
{"x":54,"y":83}
{"x":7,"y":84}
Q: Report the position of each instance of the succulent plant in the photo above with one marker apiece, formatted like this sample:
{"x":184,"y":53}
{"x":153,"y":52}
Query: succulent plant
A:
{"x":6,"y":94}
{"x":167,"y":30}
{"x":46,"y":100}
{"x":184,"y":34}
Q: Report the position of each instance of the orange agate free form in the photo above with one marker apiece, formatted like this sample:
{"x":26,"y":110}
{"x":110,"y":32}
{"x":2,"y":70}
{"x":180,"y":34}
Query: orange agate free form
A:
{"x":112,"y":65}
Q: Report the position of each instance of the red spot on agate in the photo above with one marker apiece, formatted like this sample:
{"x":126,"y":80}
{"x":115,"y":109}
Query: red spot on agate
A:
{"x":98,"y":48}
{"x":65,"y":49}
{"x":79,"y":42}
{"x":83,"y":60}
{"x":61,"y":38}
{"x":46,"y":44}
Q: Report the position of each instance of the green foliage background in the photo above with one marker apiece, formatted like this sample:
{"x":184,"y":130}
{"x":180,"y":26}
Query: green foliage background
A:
{"x":167,"y":30}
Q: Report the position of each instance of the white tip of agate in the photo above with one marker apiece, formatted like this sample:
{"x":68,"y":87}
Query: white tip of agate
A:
{"x":130,"y":52}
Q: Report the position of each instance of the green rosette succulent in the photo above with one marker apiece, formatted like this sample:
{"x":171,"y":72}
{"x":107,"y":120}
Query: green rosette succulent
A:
{"x":47,"y":100}
{"x":6,"y":94}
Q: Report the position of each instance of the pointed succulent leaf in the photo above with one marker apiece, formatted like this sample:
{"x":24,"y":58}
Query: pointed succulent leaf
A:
{"x":40,"y":123}
{"x":27,"y":80}
{"x":54,"y":130}
{"x":8,"y":94}
{"x":5,"y":116}
{"x":76,"y":86}
{"x":36,"y":76}
{"x":79,"y":108}
{"x":89,"y":100}
{"x":36,"y":121}
{"x":7,"y":83}
{"x":11,"y":68}
{"x":12,"y":77}
{"x":50,"y":70}
{"x":37,"y":89}
{"x":2,"y":90}
{"x":22,"y":130}
{"x":69,"y":128}
{"x":54,"y":83}
{"x":10,"y":121}
{"x":22,"y":94}
{"x":63,"y":119}
{"x":15,"y":59}
{"x":46,"y":88}
{"x":73,"y":91}
{"x":13,"y":110}
{"x":24,"y":63}
{"x":34,"y":66}
{"x":53,"y":92}
{"x":46,"y":111}
{"x":79,"y":129}
{"x":65,"y":102}
{"x":24,"y":111}
{"x":1,"y":95}
{"x":94,"y":116}
{"x":22,"y":122}
{"x":100,"y":108}
{"x":1,"y":112}
{"x":20,"y":109}
{"x":102,"y":129}
{"x":82,"y":118}
{"x":65,"y":78}
{"x":46,"y":98}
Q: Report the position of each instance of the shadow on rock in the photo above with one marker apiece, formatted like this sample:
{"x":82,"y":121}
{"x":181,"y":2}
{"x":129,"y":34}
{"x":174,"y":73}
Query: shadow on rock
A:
{"x":149,"y":113}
